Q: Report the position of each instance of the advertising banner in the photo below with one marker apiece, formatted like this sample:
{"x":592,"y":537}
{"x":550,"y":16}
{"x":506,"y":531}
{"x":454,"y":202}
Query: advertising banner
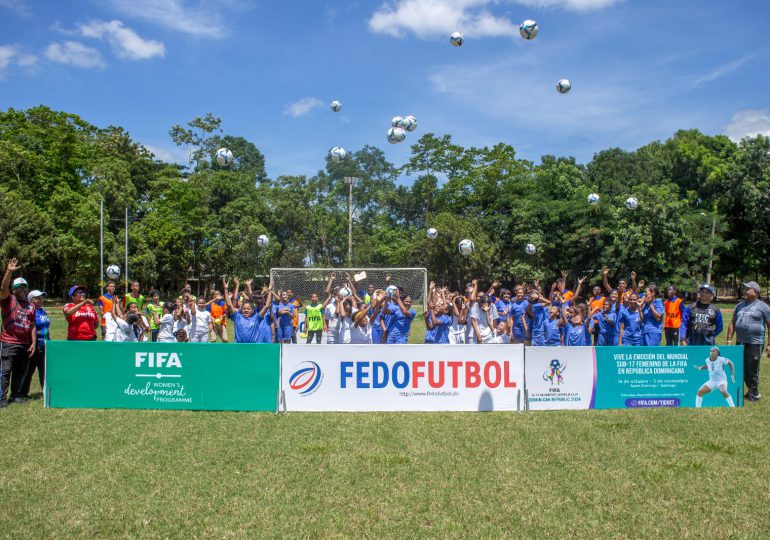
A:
{"x":403,"y":377}
{"x":560,"y":377}
{"x":200,"y":376}
{"x":634,"y":377}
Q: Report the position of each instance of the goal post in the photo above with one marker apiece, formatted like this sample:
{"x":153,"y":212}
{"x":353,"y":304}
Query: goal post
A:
{"x":305,"y":281}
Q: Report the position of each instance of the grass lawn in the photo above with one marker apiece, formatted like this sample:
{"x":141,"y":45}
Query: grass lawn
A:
{"x":665,"y":473}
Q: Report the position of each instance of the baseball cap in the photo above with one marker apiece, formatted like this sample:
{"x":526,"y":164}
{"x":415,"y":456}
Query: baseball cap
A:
{"x":35,"y":294}
{"x":749,"y":285}
{"x":19,"y":282}
{"x":75,"y":288}
{"x":708,"y":287}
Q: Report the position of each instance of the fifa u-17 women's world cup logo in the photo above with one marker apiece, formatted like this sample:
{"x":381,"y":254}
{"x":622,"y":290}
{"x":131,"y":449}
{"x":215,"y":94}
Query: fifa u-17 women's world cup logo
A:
{"x":554,"y":372}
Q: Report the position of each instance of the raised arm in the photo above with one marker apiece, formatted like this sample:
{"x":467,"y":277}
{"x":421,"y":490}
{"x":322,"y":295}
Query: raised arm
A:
{"x":228,"y":301}
{"x":579,"y":289}
{"x":606,"y":281}
{"x":5,"y":289}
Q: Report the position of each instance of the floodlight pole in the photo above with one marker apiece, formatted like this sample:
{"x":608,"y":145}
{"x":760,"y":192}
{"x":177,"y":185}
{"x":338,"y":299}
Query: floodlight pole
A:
{"x":126,"y":263}
{"x":101,"y":246}
{"x":350,"y":180}
{"x":711,"y":252}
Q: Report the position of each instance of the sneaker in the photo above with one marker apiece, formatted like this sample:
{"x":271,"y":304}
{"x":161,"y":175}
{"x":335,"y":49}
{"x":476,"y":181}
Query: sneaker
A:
{"x":18,"y":399}
{"x":3,"y":403}
{"x":750,"y":397}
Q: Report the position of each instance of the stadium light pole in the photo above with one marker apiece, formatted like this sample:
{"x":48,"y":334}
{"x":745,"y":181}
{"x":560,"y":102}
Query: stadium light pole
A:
{"x":350,"y":181}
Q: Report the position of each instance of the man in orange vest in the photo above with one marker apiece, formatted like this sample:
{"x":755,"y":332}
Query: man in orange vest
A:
{"x":673,"y":316}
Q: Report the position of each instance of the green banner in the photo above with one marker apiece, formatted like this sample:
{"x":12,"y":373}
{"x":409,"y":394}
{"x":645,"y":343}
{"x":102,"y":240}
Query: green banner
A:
{"x":642,"y":377}
{"x":198,"y":376}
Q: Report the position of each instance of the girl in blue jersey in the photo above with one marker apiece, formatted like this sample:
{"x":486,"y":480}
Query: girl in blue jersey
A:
{"x":576,"y":326}
{"x":630,"y":333}
{"x":518,"y":309}
{"x":651,"y":315}
{"x":552,"y":326}
{"x":402,"y":315}
{"x":603,"y":324}
{"x":537,"y":312}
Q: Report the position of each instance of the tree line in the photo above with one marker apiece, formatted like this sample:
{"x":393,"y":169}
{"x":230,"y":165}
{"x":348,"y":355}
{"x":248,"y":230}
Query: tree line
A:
{"x":698,"y":195}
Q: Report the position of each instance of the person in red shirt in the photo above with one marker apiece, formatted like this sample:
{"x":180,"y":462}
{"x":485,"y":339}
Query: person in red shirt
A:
{"x":18,"y":337}
{"x":81,"y":315}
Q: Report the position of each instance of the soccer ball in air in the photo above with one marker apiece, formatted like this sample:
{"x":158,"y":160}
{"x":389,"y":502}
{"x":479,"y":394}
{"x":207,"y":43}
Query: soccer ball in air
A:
{"x":391,"y":290}
{"x":263,"y":240}
{"x":338,"y":153}
{"x":530,"y":249}
{"x":224,"y":156}
{"x":336,"y":106}
{"x":409,"y":123}
{"x":397,"y":121}
{"x":528,"y":29}
{"x":432,"y":233}
{"x":466,"y":247}
{"x":457,"y":39}
{"x":113,"y":271}
{"x":593,"y":199}
{"x":632,"y":203}
{"x":563,"y":86}
{"x":396,"y":135}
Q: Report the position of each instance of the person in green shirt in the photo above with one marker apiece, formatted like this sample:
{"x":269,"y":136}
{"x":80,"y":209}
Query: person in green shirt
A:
{"x":154,"y":311}
{"x":314,"y":319}
{"x":134,"y":297}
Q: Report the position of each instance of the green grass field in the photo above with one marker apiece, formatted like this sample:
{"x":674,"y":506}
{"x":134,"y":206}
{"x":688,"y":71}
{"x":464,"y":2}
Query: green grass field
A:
{"x":666,"y":473}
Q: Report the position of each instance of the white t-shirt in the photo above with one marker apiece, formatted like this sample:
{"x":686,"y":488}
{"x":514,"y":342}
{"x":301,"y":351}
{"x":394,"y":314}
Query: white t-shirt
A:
{"x":109,"y":335}
{"x":332,"y":322}
{"x":499,"y":338}
{"x":717,"y":369}
{"x":124,"y":332}
{"x":199,"y":325}
{"x":486,"y":332}
{"x":166,"y":329}
{"x":345,"y":330}
{"x":457,"y":331}
{"x":361,"y":334}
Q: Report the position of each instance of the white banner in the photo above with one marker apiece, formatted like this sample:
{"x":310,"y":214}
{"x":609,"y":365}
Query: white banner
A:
{"x":403,"y":377}
{"x":560,"y":377}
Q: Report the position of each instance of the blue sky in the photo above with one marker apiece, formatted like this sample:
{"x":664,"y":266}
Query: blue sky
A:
{"x":640,"y":70}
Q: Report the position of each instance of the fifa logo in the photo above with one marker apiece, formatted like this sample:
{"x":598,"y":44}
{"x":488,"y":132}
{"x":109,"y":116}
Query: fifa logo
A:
{"x":554,"y":372}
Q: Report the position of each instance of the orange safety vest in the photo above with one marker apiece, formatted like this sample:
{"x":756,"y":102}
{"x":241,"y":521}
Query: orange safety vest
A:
{"x":673,"y":313}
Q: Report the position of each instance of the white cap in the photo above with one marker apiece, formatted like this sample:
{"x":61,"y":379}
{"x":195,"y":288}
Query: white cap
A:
{"x":19,"y":282}
{"x":35,"y":294}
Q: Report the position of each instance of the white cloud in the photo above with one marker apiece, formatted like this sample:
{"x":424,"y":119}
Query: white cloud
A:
{"x":124,"y":41}
{"x":721,"y":71}
{"x":12,"y":54}
{"x":434,"y":18}
{"x":748,"y":123}
{"x":302,"y":106}
{"x":74,"y":54}
{"x":7,"y":53}
{"x":20,"y":7}
{"x":175,"y":155}
{"x":572,"y":5}
{"x":201,"y":21}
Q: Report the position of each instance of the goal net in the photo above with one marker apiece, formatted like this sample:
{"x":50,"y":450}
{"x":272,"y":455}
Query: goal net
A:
{"x":305,"y":281}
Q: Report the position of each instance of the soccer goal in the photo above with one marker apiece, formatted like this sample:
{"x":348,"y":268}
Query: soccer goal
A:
{"x":305,"y":281}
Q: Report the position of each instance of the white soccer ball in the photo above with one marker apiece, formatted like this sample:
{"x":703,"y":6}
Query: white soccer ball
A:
{"x":432,"y":233}
{"x":632,"y":203}
{"x":457,"y":39}
{"x":336,"y":106}
{"x":224,"y":156}
{"x":593,"y":199}
{"x":338,"y":153}
{"x":397,"y":121}
{"x":466,"y":247}
{"x":391,"y":290}
{"x":563,"y":86}
{"x":113,"y":271}
{"x":345,"y":292}
{"x":396,"y":135}
{"x":263,"y":240}
{"x":528,"y":29}
{"x":530,"y":249}
{"x":409,"y":123}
